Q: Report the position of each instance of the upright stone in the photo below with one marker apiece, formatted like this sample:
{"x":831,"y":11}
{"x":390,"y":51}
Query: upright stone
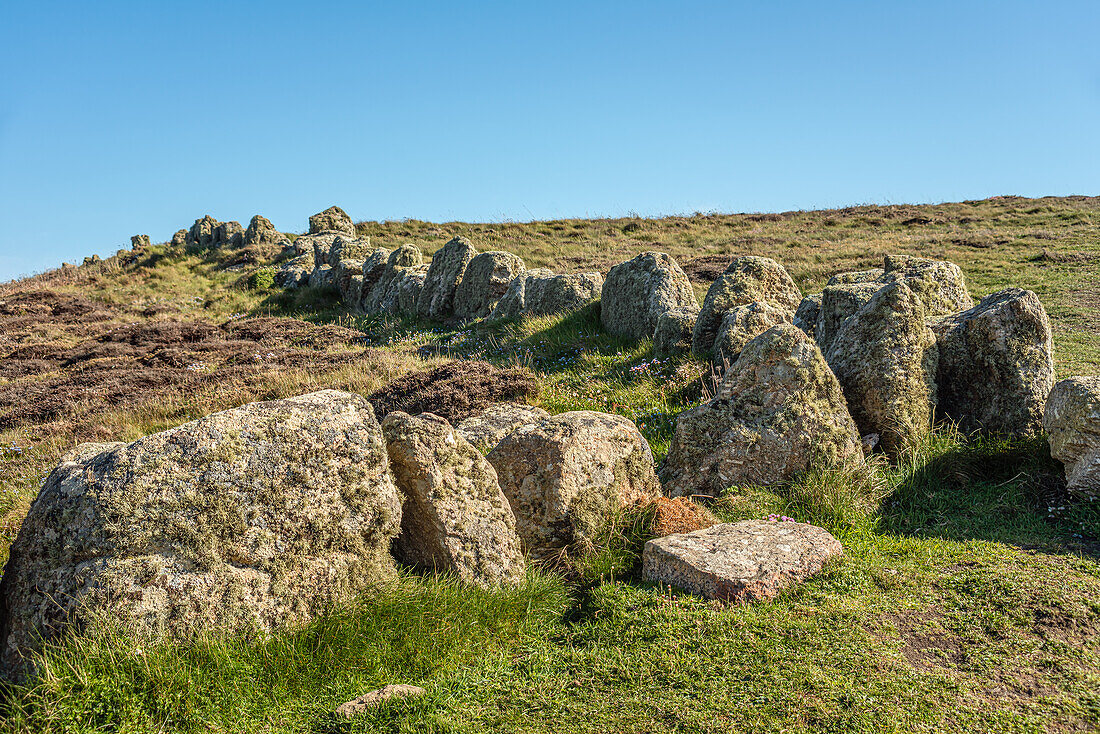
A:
{"x":747,"y":279}
{"x":436,"y":299}
{"x":228,"y":234}
{"x":1072,"y":421}
{"x":742,"y":325}
{"x":333,"y":219}
{"x":201,"y":234}
{"x":485,"y":282}
{"x":139,"y":241}
{"x":638,"y":291}
{"x":673,"y":333}
{"x":805,"y":317}
{"x":261,"y":232}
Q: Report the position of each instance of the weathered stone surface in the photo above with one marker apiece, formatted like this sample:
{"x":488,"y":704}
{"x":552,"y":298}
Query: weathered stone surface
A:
{"x":746,"y":280}
{"x":567,"y":476}
{"x":404,"y":291}
{"x":485,"y":281}
{"x":938,"y":284}
{"x":295,"y":273}
{"x":201,"y":234}
{"x":322,"y":276}
{"x":140,"y":241}
{"x":673,"y":333}
{"x":1072,"y":421}
{"x":742,"y":325}
{"x":996,"y":364}
{"x":885,"y":357}
{"x":347,"y":275}
{"x":261,"y":232}
{"x":454,"y":517}
{"x":805,"y":317}
{"x":347,"y":248}
{"x":179,"y":238}
{"x":436,"y":300}
{"x":485,"y":431}
{"x":333,"y":219}
{"x":316,"y":246}
{"x":374,"y":268}
{"x":636,"y":292}
{"x":778,"y":411}
{"x":740,"y":562}
{"x":251,"y":518}
{"x":839,"y":301}
{"x":398,"y":262}
{"x":228,"y":234}
{"x":539,"y":292}
{"x":374,"y":699}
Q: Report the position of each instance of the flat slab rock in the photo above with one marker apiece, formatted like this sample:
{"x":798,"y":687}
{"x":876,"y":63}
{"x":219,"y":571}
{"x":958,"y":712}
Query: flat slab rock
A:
{"x":375,"y":698}
{"x":740,"y":562}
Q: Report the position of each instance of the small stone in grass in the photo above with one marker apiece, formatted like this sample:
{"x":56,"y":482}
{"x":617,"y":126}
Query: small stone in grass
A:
{"x":375,"y":698}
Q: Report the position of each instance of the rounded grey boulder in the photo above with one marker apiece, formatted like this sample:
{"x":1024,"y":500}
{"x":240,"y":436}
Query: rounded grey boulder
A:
{"x":673,"y":332}
{"x":1072,"y":421}
{"x":742,"y":325}
{"x":485,"y":431}
{"x":485,"y":282}
{"x":436,"y":299}
{"x":636,"y":292}
{"x":747,"y":279}
{"x":261,"y":231}
{"x":333,"y":219}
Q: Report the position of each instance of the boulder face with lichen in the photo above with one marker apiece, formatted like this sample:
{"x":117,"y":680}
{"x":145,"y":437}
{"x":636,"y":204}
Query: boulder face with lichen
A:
{"x":748,"y":279}
{"x":673,"y":333}
{"x":885,"y":357}
{"x":485,"y":282}
{"x":742,"y":325}
{"x":488,"y":429}
{"x":778,"y":411}
{"x":636,"y":293}
{"x":449,"y":263}
{"x":1072,"y":422}
{"x":538,"y":292}
{"x":996,"y":365}
{"x":333,"y":219}
{"x":253,"y":518}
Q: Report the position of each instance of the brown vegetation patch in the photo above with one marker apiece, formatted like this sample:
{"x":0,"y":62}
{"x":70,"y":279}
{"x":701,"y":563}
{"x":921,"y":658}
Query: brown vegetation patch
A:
{"x":1063,"y":258}
{"x":63,"y":307}
{"x":707,"y":268}
{"x":679,"y":515}
{"x":455,"y":391}
{"x":926,"y":646}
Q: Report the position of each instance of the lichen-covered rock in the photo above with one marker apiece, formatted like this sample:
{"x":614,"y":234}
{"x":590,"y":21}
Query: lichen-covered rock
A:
{"x":778,"y":411}
{"x":179,"y":238}
{"x":374,"y":268}
{"x":347,"y":275}
{"x":315,"y":246}
{"x":249,"y":519}
{"x":140,"y":241}
{"x":404,"y":289}
{"x":805,"y":316}
{"x":740,"y":562}
{"x":486,"y":430}
{"x":673,"y":333}
{"x":295,"y":273}
{"x":747,"y":279}
{"x":485,"y":281}
{"x":333,"y":219}
{"x":938,"y":284}
{"x":566,"y":477}
{"x":436,"y":300}
{"x":344,"y":247}
{"x":201,"y":234}
{"x":636,"y":292}
{"x":323,"y":276}
{"x":885,"y":357}
{"x":1072,"y":421}
{"x":996,"y":364}
{"x":839,"y":301}
{"x":539,"y":292}
{"x":742,"y":325}
{"x":454,"y":517}
{"x":397,"y":262}
{"x":261,"y":231}
{"x":228,"y":234}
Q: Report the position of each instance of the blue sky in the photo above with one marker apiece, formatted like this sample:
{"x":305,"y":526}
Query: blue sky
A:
{"x":119,"y":118}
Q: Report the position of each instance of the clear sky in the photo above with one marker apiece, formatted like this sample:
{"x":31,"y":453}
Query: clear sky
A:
{"x":119,"y":118}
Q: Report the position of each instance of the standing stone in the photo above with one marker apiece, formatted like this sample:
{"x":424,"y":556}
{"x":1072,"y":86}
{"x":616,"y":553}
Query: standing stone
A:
{"x":404,"y":291}
{"x":179,"y":238}
{"x":638,"y":291}
{"x":323,"y":276}
{"x":295,"y":273}
{"x":454,"y":518}
{"x":567,"y":477}
{"x":485,"y":431}
{"x":202,"y":232}
{"x":436,"y":300}
{"x":228,"y":234}
{"x":746,"y":280}
{"x":740,"y":562}
{"x":1072,"y":420}
{"x":397,"y":262}
{"x":347,"y":275}
{"x":805,"y":317}
{"x":996,"y":364}
{"x":673,"y":333}
{"x":249,"y":519}
{"x":839,"y":301}
{"x":333,"y":219}
{"x":778,"y":411}
{"x":539,"y":292}
{"x":347,"y":248}
{"x":374,"y":268}
{"x":261,"y":232}
{"x":885,"y":357}
{"x":938,"y":284}
{"x":485,"y":281}
{"x":139,"y":241}
{"x":742,"y":325}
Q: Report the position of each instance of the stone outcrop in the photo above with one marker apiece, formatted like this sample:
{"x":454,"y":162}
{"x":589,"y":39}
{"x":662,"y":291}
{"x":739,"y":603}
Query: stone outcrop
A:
{"x":636,"y":292}
{"x":485,"y":282}
{"x":228,"y":234}
{"x":742,"y":325}
{"x":397,"y":264}
{"x":261,"y":231}
{"x":539,"y":292}
{"x":201,"y":234}
{"x":567,"y":477}
{"x":323,"y":276}
{"x":454,"y":517}
{"x":485,"y":431}
{"x":403,"y":294}
{"x":885,"y":357}
{"x":672,"y":335}
{"x":747,"y":279}
{"x":996,"y":365}
{"x":740,"y":562}
{"x":778,"y":411}
{"x":140,"y":241}
{"x":436,"y":299}
{"x":347,"y":248}
{"x":347,"y":275}
{"x":333,"y":219}
{"x":1072,"y":421}
{"x":249,"y":519}
{"x":839,"y":301}
{"x":295,"y":273}
{"x":179,"y":238}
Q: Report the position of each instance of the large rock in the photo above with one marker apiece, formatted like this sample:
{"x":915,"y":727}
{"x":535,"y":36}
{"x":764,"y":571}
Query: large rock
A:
{"x":397,"y":263}
{"x":374,"y":268}
{"x":885,"y":357}
{"x":747,"y":279}
{"x":778,"y":411}
{"x":295,"y":273}
{"x":436,"y":300}
{"x":486,"y":430}
{"x":567,"y":477}
{"x":333,"y":219}
{"x":179,"y":238}
{"x":539,"y":292}
{"x":201,"y":234}
{"x":739,"y":562}
{"x":228,"y":234}
{"x":454,"y":518}
{"x":672,"y":335}
{"x":485,"y":281}
{"x":249,"y":519}
{"x":996,"y":364}
{"x":1072,"y":421}
{"x":261,"y":231}
{"x":636,"y":292}
{"x":404,"y":290}
{"x":140,"y":241}
{"x":315,"y":246}
{"x":805,"y":316}
{"x":742,"y":325}
{"x":348,"y":278}
{"x":839,"y":301}
{"x":344,"y":247}
{"x":323,"y":276}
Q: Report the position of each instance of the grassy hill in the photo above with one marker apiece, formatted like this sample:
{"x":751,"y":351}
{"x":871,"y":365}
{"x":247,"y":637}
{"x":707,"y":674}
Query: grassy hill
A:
{"x":968,"y":598}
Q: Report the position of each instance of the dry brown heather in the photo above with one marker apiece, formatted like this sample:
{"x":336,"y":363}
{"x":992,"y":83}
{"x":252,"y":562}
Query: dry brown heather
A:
{"x":115,"y":350}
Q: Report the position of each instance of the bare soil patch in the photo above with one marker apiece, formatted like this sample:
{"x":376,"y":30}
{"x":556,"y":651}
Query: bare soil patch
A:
{"x":455,"y":391}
